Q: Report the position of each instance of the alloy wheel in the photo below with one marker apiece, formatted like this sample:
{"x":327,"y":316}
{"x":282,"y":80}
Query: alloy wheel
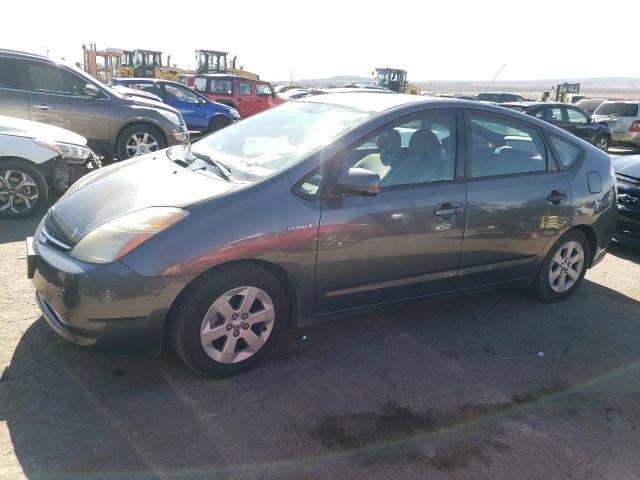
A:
{"x":18,"y":192}
{"x":566,"y":267}
{"x":237,"y":324}
{"x":602,"y":144}
{"x":141,"y":143}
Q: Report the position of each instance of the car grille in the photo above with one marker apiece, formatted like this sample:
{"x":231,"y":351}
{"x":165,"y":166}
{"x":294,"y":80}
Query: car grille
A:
{"x":54,"y":241}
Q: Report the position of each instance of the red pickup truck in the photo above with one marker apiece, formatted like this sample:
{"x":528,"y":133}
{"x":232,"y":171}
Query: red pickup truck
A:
{"x":246,"y":95}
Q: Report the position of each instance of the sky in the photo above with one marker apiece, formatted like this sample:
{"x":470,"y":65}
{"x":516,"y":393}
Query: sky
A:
{"x":445,"y":40}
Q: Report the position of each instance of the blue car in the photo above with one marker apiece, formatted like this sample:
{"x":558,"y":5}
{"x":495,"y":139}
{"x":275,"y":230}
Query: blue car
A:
{"x":198,"y":111}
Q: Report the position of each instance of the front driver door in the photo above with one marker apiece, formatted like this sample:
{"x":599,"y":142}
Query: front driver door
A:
{"x":406,"y":241}
{"x":517,"y":200}
{"x":187,"y":103}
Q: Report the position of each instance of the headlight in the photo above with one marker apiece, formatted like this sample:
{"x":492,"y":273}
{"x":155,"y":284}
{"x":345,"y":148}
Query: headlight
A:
{"x":68,"y":150}
{"x":172,"y":117}
{"x":114,"y":239}
{"x":234,"y":113}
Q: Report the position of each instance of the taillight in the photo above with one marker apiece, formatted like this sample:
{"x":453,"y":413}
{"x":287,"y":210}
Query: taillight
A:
{"x":635,"y":126}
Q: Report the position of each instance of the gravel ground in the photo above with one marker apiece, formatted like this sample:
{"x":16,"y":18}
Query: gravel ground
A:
{"x":491,"y":386}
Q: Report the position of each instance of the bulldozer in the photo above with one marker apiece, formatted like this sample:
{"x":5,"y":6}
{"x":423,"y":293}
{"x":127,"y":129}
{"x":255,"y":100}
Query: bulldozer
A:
{"x":394,"y":79}
{"x":215,"y":61}
{"x":102,"y":64}
{"x":126,"y":64}
{"x":148,"y":64}
{"x":565,"y":92}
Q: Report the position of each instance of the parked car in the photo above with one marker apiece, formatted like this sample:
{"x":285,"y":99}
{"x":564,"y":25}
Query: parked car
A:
{"x":37,"y":88}
{"x":623,"y":118}
{"x":568,"y":117}
{"x":246,"y":95}
{"x":36,"y":159}
{"x":627,"y":170}
{"x":498,"y":97}
{"x":312,"y":209}
{"x":198,"y":111}
{"x":589,"y":105}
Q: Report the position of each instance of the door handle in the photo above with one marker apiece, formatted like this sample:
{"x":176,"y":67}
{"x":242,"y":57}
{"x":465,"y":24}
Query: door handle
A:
{"x":42,"y":106}
{"x":556,"y":197}
{"x":447,"y":211}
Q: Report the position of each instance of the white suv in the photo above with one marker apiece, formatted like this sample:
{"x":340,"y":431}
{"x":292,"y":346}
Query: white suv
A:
{"x":34,"y":159}
{"x":623,"y":118}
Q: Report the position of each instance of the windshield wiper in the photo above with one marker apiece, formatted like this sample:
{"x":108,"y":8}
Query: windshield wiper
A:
{"x":221,"y":168}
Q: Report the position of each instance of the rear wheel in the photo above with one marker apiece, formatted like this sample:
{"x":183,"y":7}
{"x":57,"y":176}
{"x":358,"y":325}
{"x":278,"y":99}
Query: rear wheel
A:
{"x":139,"y":139}
{"x":23,"y":189}
{"x":564,"y":268}
{"x":229,"y":319}
{"x":602,"y":143}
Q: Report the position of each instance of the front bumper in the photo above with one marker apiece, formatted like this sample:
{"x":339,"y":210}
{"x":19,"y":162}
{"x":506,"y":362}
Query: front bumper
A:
{"x":628,"y":226}
{"x":101,"y":307}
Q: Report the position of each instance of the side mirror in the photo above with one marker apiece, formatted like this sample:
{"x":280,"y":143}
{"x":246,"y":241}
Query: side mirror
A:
{"x":358,"y":181}
{"x":91,"y":90}
{"x":201,"y":101}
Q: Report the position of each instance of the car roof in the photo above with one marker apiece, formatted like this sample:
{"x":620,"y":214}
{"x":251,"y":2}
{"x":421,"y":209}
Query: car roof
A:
{"x":374,"y":102}
{"x":20,"y":53}
{"x":225,"y":76}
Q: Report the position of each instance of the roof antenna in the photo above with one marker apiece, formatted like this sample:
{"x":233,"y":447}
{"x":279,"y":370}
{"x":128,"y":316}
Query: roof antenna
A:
{"x":491,"y":82}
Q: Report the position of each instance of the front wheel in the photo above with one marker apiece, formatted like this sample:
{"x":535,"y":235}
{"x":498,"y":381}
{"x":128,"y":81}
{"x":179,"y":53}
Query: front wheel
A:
{"x":23,"y":189}
{"x":217,"y":123}
{"x":138,"y":140}
{"x":564,"y":268}
{"x":229,"y":319}
{"x":602,"y":143}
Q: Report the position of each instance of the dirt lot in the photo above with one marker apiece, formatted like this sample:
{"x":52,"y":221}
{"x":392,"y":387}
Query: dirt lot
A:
{"x":452,"y":389}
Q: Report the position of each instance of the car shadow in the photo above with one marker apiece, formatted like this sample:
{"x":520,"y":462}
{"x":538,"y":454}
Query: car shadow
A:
{"x":626,"y":252}
{"x":16,"y":230}
{"x":334,"y":397}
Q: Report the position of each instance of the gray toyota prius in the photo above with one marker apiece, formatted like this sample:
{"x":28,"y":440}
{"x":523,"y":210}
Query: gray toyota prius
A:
{"x":324,"y":205}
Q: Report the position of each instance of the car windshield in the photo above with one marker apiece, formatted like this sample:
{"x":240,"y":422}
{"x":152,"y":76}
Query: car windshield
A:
{"x":267,"y":143}
{"x":618,"y":109}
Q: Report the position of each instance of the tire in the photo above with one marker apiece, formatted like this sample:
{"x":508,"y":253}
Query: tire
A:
{"x":218,"y":331}
{"x":555,"y":281}
{"x":217,"y":123}
{"x":602,"y":142}
{"x":31,"y":195}
{"x":145,"y":134}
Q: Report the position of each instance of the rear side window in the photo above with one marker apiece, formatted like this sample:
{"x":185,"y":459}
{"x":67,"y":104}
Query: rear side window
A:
{"x":502,"y":147}
{"x":566,"y":152}
{"x":618,"y":108}
{"x":48,"y":79}
{"x":9,"y":73}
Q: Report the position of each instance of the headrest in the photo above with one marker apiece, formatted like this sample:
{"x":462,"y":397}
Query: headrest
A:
{"x":389,"y":141}
{"x":425,"y":142}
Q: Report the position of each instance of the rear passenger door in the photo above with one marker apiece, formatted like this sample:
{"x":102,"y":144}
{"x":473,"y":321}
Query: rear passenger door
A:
{"x":517,"y":200}
{"x":244,"y":98}
{"x":13,"y":91}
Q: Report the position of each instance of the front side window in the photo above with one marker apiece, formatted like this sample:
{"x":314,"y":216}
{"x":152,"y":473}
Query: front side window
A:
{"x":179,"y":94}
{"x":421,"y":150}
{"x":576,"y":116}
{"x":49,"y":79}
{"x":263,"y":90}
{"x":9,"y":73}
{"x":270,"y":142}
{"x":502,"y":147}
{"x":243,"y":88}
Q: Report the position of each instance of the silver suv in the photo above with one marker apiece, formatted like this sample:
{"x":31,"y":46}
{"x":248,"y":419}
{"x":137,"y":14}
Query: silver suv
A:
{"x":623,"y":118}
{"x":37,"y":88}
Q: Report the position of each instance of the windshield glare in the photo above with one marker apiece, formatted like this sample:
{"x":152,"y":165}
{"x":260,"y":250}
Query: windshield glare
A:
{"x":272,"y":141}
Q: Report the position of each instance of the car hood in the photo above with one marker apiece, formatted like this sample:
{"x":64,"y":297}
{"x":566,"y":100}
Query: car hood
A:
{"x":147,"y":181}
{"x":628,"y":165}
{"x":26,"y":128}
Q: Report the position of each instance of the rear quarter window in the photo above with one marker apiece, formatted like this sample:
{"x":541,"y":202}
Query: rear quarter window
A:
{"x":567,"y":153}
